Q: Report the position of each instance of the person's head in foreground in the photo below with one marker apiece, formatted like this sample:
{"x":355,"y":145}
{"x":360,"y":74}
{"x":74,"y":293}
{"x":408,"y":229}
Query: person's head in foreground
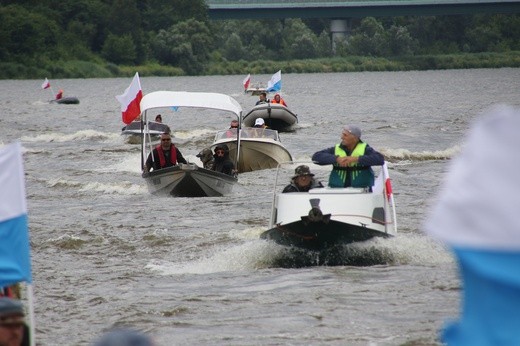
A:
{"x":12,"y":322}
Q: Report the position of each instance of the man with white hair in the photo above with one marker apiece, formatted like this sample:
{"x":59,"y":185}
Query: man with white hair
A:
{"x":351,"y":160}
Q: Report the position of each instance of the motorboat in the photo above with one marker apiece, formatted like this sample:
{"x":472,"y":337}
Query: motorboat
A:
{"x":134,"y":131}
{"x":255,"y":90}
{"x":276,"y":116}
{"x":186,"y":180}
{"x":325,"y":217}
{"x":260,"y":148}
{"x":70,"y":100}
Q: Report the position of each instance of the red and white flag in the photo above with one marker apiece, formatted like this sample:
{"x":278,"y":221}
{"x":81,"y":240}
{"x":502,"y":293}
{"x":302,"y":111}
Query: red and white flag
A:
{"x":46,"y":84}
{"x":246,"y":81}
{"x":131,"y":100}
{"x":388,"y":185}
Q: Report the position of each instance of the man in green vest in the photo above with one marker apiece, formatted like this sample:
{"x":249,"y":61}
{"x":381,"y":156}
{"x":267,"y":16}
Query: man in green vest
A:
{"x":351,"y":160}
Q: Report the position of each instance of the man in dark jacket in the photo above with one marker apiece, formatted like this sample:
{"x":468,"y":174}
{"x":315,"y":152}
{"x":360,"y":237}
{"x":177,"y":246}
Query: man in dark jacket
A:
{"x":164,"y":155}
{"x":302,"y":181}
{"x":223,"y":163}
{"x":351,"y":160}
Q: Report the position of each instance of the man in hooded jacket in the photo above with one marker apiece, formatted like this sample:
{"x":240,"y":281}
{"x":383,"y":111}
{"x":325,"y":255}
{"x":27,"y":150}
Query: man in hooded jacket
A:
{"x":223,"y":163}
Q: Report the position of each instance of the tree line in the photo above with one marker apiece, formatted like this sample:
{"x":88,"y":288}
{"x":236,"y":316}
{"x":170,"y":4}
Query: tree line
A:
{"x":64,"y":38}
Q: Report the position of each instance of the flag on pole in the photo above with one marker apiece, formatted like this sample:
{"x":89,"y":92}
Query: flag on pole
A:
{"x":388,"y":185}
{"x":275,"y":83}
{"x":246,"y":81}
{"x":15,"y":263}
{"x":476,"y":215}
{"x":46,"y":84}
{"x":130,"y":100}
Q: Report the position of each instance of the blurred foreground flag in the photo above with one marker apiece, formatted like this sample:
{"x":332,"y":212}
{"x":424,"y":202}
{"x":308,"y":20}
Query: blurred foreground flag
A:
{"x":15,"y":263}
{"x":478,"y":216}
{"x":130,"y":100}
{"x":275,"y":83}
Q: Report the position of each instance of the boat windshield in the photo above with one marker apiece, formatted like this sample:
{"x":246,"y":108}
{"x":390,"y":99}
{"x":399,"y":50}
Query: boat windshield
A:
{"x":248,"y":132}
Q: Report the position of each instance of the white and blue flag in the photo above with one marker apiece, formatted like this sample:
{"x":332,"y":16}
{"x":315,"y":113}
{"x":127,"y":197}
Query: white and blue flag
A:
{"x":275,"y":83}
{"x":478,"y":216}
{"x":15,"y":263}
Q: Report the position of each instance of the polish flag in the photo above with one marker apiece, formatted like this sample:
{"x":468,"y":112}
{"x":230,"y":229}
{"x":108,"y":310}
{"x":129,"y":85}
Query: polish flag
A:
{"x":130,"y":100}
{"x":46,"y":84}
{"x":246,"y":81}
{"x":388,"y":185}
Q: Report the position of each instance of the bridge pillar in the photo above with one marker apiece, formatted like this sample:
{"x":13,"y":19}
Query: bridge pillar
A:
{"x":340,"y":30}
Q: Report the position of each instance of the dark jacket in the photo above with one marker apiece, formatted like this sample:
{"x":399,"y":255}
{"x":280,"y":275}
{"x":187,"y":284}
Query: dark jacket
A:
{"x":223,"y":164}
{"x":328,"y":157}
{"x":292,"y":187}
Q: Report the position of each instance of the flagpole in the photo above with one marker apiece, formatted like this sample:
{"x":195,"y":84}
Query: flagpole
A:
{"x":32,"y":328}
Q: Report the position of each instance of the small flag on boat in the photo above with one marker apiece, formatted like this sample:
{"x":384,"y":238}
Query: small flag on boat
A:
{"x":46,"y":84}
{"x":275,"y":83}
{"x":15,"y":263}
{"x":476,"y":215}
{"x":130,"y":100}
{"x":246,"y":81}
{"x":388,"y":185}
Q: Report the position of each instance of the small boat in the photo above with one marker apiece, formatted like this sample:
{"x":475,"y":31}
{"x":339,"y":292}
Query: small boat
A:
{"x":276,"y":116}
{"x":255,"y":90}
{"x":134,"y":132}
{"x":259,"y":148}
{"x":326,"y":217}
{"x":186,"y":180}
{"x":189,"y":180}
{"x":70,"y":100}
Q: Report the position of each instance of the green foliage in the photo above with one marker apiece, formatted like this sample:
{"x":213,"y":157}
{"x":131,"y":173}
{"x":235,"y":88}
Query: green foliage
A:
{"x":119,"y":49}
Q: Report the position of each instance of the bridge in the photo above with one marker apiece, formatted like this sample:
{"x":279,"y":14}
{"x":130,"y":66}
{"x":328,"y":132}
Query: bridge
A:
{"x":331,"y":9}
{"x":341,"y":12}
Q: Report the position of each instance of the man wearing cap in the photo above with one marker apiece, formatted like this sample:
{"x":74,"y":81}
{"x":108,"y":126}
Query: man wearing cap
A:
{"x":12,"y":324}
{"x":260,"y":123}
{"x":302,"y":181}
{"x":351,"y":160}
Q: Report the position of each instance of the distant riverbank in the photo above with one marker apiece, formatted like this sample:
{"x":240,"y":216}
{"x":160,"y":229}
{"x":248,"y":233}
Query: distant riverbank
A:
{"x":85,"y":69}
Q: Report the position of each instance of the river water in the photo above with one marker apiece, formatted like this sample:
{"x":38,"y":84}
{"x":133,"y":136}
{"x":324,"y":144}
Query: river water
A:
{"x":193,"y":271}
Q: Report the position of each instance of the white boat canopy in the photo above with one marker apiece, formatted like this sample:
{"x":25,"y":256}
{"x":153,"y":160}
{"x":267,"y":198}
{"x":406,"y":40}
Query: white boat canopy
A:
{"x":161,"y":99}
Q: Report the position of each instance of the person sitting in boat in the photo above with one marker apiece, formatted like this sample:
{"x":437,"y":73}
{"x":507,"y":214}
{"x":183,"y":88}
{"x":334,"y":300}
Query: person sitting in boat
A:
{"x":158,"y":118}
{"x":232,"y":131}
{"x":351,"y":160}
{"x":223,"y":163}
{"x":278,"y":99}
{"x":59,"y":95}
{"x":206,"y":157}
{"x":262,"y":99}
{"x":164,"y":155}
{"x":302,"y":181}
{"x":13,"y":329}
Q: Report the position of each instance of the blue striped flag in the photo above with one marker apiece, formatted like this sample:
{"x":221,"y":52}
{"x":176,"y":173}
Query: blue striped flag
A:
{"x":275,"y":83}
{"x":15,"y":263}
{"x":477,"y":216}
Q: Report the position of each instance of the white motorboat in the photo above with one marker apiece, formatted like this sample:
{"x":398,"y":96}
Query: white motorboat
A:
{"x":325,"y":217}
{"x":259,"y":148}
{"x":134,"y":131}
{"x":186,"y":180}
{"x":276,"y":116}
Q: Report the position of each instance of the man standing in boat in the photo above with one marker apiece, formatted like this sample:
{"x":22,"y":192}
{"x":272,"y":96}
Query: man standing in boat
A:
{"x":164,"y":155}
{"x":351,"y":160}
{"x":263,"y":99}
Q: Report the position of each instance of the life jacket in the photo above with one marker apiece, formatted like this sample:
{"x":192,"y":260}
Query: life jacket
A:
{"x":281,"y":102}
{"x":359,"y":176}
{"x":162,"y":158}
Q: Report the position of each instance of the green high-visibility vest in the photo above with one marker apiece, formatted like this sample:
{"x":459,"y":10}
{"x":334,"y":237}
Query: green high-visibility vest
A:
{"x":357,"y":175}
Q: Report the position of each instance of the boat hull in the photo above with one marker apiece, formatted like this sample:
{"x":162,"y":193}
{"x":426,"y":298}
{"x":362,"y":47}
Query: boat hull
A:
{"x":71,"y":100}
{"x":325,"y":217}
{"x":276,"y":117}
{"x":256,"y":153}
{"x":189,"y":180}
